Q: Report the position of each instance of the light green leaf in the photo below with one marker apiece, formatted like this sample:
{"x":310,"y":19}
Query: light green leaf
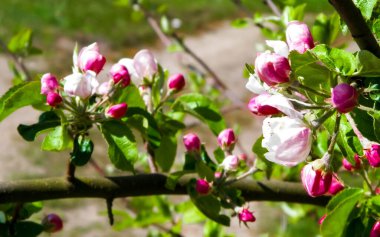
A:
{"x":335,"y":59}
{"x":326,"y":29}
{"x":129,"y":95}
{"x":201,"y":107}
{"x":122,"y":147}
{"x":240,"y":23}
{"x":57,"y":140}
{"x":23,"y":94}
{"x":368,"y":64}
{"x":366,"y":7}
{"x":340,"y":208}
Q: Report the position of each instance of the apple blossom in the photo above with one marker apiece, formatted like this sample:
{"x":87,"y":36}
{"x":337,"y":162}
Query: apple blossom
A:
{"x":89,"y":58}
{"x":272,"y":68}
{"x":128,"y":63}
{"x":53,"y":99}
{"x":145,"y":64}
{"x":258,"y":106}
{"x":246,"y":216}
{"x":192,"y":142}
{"x":117,"y":111}
{"x":344,"y":97}
{"x":279,"y":47}
{"x":52,"y":223}
{"x":348,"y":166}
{"x":226,"y":139}
{"x":315,"y":181}
{"x":120,"y":73}
{"x":81,"y":85}
{"x":202,"y":186}
{"x":230,"y":163}
{"x":335,"y":187}
{"x":373,"y":155}
{"x":176,"y":82}
{"x":288,"y":140}
{"x":298,"y":37}
{"x":49,"y":83}
{"x":375,"y":231}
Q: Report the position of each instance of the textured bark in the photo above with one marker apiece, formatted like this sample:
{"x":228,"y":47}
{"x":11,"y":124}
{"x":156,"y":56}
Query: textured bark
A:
{"x":141,"y":185}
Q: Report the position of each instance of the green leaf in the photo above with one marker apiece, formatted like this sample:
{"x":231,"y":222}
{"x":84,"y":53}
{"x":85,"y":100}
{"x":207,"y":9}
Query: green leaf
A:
{"x":46,"y":120}
{"x":364,"y":123}
{"x":28,"y":209}
{"x":122,"y":147}
{"x":376,"y":124}
{"x":264,"y":164}
{"x":293,"y":13}
{"x":158,"y":85}
{"x":83,"y":148}
{"x":366,"y":7}
{"x":204,"y":171}
{"x":339,"y":209}
{"x":201,"y":107}
{"x":326,"y":29}
{"x":173,"y":178}
{"x":368,"y":64}
{"x":129,"y":95}
{"x":376,"y":28}
{"x":23,"y":94}
{"x":166,"y":153}
{"x":165,"y":25}
{"x":209,"y":205}
{"x":219,"y":155}
{"x":57,"y":140}
{"x":342,"y":139}
{"x":174,"y":48}
{"x":240,"y":23}
{"x":21,"y":42}
{"x":335,"y":59}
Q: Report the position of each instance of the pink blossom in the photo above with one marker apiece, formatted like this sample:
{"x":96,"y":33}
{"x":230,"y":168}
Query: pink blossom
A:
{"x":298,"y":37}
{"x":49,"y":83}
{"x":89,"y":58}
{"x":192,"y":142}
{"x":230,"y":163}
{"x":176,"y":82}
{"x":145,"y":64}
{"x":81,"y":85}
{"x":117,"y":111}
{"x":336,"y":186}
{"x":373,"y":155}
{"x":226,"y":139}
{"x":246,"y":216}
{"x":272,"y":68}
{"x":315,"y":181}
{"x":344,"y":97}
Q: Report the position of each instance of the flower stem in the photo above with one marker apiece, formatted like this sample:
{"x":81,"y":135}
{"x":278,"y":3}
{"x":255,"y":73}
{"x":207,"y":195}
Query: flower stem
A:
{"x":366,"y":179}
{"x":318,"y":122}
{"x":298,"y":85}
{"x":327,"y":157}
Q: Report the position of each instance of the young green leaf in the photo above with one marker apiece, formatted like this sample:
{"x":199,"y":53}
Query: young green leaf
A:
{"x":23,"y":94}
{"x":57,"y":140}
{"x":166,"y":153}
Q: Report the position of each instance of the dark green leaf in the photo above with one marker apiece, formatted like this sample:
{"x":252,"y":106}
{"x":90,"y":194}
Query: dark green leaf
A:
{"x":335,"y":59}
{"x":201,"y":107}
{"x":23,"y":94}
{"x":57,"y":140}
{"x":364,"y":123}
{"x":46,"y":120}
{"x":340,"y":208}
{"x":166,"y":153}
{"x":122,"y":147}
{"x":204,"y":171}
{"x":83,"y":148}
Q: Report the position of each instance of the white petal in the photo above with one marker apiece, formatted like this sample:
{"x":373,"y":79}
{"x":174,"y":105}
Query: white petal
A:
{"x":254,"y":84}
{"x":279,"y":47}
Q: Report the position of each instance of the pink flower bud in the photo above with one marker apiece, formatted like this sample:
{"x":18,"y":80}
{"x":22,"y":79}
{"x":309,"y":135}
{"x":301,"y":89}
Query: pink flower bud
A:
{"x":257,"y":105}
{"x":373,"y":155}
{"x":120,"y":73}
{"x":202,"y":187}
{"x":322,"y":219}
{"x":192,"y":142}
{"x":344,"y":97}
{"x":49,"y":83}
{"x":336,"y":186}
{"x":375,"y":231}
{"x":226,"y":139}
{"x":315,"y":181}
{"x":53,"y":99}
{"x":89,"y":58}
{"x":145,"y":64}
{"x":117,"y":111}
{"x":298,"y":37}
{"x":176,"y":82}
{"x":246,"y":216}
{"x":230,"y":163}
{"x":348,"y":166}
{"x":52,"y":223}
{"x":272,"y":68}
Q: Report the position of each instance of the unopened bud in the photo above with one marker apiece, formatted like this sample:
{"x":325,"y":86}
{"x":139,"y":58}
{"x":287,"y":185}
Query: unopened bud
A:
{"x":52,"y":223}
{"x":246,"y":216}
{"x":226,"y":139}
{"x":117,"y":111}
{"x":373,"y":155}
{"x":335,"y":187}
{"x":272,"y":68}
{"x":192,"y":142}
{"x":145,"y":64}
{"x":298,"y":37}
{"x":176,"y":82}
{"x":344,"y":97}
{"x":120,"y":73}
{"x":49,"y":83}
{"x":315,"y":181}
{"x":258,"y":106}
{"x":230,"y":163}
{"x":348,"y":166}
{"x":375,"y":231}
{"x":202,"y":186}
{"x":53,"y":99}
{"x":89,"y":58}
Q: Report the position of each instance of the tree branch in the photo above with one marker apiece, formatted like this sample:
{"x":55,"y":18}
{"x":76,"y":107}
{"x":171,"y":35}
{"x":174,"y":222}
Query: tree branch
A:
{"x":357,"y":25}
{"x":142,"y":185}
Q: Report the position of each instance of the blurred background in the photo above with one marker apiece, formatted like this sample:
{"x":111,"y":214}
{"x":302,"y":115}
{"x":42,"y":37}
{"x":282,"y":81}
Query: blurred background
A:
{"x":215,"y":30}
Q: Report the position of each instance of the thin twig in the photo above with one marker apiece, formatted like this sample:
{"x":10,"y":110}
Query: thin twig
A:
{"x":273,"y":7}
{"x":109,"y":210}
